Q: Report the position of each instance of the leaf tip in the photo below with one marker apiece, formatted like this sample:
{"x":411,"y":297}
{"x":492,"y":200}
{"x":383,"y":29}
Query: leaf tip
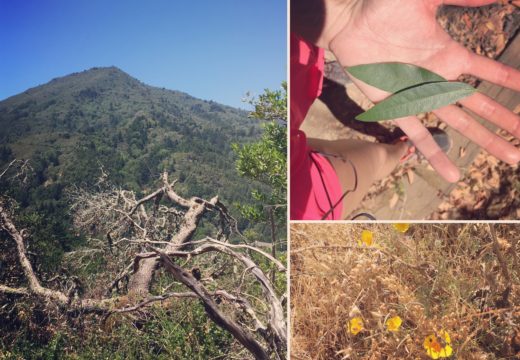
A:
{"x":361,"y":117}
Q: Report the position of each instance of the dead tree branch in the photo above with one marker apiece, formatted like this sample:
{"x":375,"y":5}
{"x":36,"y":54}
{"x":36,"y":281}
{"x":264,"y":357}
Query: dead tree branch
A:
{"x":277,"y":324}
{"x":15,"y":291}
{"x":132,"y":225}
{"x":34,"y":283}
{"x":212,"y":309}
{"x":141,"y":279}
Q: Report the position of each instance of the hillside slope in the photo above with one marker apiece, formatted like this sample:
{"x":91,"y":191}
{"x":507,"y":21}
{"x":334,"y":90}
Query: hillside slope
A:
{"x":75,"y":124}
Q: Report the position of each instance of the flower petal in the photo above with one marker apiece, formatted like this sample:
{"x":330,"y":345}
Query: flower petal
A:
{"x":401,"y":227}
{"x":367,"y":237}
{"x":447,"y":351}
{"x":447,"y":338}
{"x":355,"y":325}
{"x":394,"y":323}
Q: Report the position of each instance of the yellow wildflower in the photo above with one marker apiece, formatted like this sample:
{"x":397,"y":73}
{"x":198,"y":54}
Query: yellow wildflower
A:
{"x":401,"y":227}
{"x":355,"y":325}
{"x":394,"y":323}
{"x":367,"y":238}
{"x":434,"y":349}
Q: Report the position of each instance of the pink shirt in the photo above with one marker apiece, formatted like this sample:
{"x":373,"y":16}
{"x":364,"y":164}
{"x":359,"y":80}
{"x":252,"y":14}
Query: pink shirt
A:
{"x":311,"y":173}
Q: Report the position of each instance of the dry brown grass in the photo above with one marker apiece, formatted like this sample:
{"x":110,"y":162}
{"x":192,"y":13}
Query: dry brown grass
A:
{"x":436,"y":276}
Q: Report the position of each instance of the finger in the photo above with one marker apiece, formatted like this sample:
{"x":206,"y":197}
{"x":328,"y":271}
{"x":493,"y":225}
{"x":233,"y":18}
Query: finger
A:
{"x":493,"y":71}
{"x":424,"y":142}
{"x":476,"y":132}
{"x":468,"y":2}
{"x":489,"y":109}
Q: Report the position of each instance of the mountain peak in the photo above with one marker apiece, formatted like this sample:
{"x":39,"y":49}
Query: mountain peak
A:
{"x":103,"y":70}
{"x":96,"y":74}
{"x":102,"y":78}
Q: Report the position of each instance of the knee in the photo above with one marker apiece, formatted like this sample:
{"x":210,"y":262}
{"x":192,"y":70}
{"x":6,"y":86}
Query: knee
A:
{"x":380,"y":155}
{"x":384,"y":160}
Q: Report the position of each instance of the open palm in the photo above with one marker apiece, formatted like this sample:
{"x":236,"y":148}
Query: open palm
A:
{"x":407,"y":31}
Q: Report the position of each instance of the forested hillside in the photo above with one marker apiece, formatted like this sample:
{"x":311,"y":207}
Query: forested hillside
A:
{"x":102,"y":118}
{"x":73,"y":125}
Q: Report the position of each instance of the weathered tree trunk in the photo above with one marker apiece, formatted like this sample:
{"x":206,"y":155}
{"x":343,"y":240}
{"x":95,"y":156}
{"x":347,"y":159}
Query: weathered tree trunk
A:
{"x":140,"y":281}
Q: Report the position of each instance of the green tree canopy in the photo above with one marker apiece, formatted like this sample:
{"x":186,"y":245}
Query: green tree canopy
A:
{"x":266,"y":159}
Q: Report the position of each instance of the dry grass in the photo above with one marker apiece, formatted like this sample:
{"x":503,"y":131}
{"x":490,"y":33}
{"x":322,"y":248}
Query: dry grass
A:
{"x":436,"y":276}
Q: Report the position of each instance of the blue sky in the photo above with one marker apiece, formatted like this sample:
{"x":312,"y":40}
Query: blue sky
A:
{"x":214,"y":50}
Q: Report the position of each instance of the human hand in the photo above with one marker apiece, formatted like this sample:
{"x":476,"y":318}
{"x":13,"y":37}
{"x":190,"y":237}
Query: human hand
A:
{"x":406,"y":31}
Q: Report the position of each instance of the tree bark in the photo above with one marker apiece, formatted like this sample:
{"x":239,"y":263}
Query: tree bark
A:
{"x":212,"y":309}
{"x":140,"y":281}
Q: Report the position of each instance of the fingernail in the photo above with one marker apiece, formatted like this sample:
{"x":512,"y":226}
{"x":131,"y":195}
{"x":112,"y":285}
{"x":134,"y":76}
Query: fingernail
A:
{"x":512,"y":157}
{"x":452,"y":175}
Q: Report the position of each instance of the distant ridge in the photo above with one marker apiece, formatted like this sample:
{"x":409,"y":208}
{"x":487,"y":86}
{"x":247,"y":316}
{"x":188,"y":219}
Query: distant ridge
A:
{"x":77,"y":123}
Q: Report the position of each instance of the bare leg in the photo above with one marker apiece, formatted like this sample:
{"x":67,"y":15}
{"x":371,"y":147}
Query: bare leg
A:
{"x":373,"y":161}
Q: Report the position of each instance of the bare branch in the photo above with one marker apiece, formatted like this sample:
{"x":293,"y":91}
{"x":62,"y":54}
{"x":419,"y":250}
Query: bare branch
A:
{"x":279,"y":265}
{"x":16,"y":291}
{"x":7,"y":168}
{"x":153,"y":195}
{"x":243,"y":303}
{"x":122,"y":226}
{"x":276,"y":313}
{"x":117,"y":280}
{"x":212,"y":309}
{"x":172,"y":194}
{"x":34,"y":283}
{"x":152,"y":299}
{"x":23,"y":169}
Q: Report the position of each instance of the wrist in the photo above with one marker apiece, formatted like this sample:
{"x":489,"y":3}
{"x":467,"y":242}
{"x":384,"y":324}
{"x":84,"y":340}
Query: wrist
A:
{"x":342,"y":15}
{"x":320,"y":21}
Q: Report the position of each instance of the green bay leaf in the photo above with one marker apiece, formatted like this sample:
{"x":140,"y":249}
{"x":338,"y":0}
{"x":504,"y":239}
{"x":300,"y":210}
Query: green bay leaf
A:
{"x":393,"y":76}
{"x":421,"y":98}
